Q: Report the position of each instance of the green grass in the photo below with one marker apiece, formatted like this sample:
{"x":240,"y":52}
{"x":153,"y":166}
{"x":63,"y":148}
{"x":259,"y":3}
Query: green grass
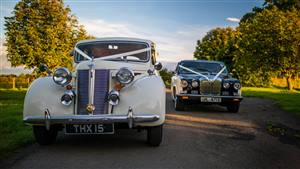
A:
{"x":13,"y":132}
{"x":288,"y":101}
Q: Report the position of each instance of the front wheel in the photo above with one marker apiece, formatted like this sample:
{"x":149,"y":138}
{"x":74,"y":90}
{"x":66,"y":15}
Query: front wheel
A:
{"x":154,"y":135}
{"x":234,"y":108}
{"x":44,"y":136}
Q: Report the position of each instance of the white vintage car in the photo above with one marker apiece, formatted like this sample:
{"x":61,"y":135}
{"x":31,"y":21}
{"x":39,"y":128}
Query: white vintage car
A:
{"x":115,"y":85}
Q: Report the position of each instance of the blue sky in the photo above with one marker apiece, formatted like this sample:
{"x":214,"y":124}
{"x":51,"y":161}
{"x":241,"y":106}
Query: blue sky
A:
{"x":175,"y":25}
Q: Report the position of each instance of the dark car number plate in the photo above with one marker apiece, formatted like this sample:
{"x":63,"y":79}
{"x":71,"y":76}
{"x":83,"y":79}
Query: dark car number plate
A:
{"x":89,"y":129}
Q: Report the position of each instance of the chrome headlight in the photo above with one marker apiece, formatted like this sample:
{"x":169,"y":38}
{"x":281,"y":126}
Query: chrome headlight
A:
{"x":237,"y":86}
{"x":62,"y":76}
{"x":195,"y":83}
{"x":226,"y":85}
{"x":67,"y":98}
{"x":184,"y":83}
{"x":125,"y":76}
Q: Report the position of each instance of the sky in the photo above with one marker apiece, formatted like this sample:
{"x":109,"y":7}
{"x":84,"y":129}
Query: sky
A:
{"x":174,"y":25}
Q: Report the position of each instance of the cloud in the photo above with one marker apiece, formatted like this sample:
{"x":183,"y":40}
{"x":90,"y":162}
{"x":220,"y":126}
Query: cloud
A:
{"x":5,"y":66}
{"x":233,"y":19}
{"x":173,"y":45}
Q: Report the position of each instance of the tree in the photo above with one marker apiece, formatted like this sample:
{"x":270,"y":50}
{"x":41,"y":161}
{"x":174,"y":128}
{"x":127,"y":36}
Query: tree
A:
{"x":284,"y":4}
{"x":42,"y":31}
{"x":218,"y":44}
{"x":166,"y":76}
{"x":270,"y":43}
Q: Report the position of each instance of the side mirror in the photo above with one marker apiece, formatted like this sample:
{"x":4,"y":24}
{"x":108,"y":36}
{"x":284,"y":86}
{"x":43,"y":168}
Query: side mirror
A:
{"x":158,"y":66}
{"x":44,"y":68}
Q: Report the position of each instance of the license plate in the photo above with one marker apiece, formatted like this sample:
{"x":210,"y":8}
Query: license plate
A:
{"x":210,"y":99}
{"x":89,"y":129}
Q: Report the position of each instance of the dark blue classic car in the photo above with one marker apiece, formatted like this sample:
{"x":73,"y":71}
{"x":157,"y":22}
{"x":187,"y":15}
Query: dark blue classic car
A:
{"x":205,"y":82}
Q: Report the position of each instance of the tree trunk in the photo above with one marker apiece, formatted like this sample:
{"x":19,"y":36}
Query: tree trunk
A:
{"x":13,"y":82}
{"x":289,"y":83}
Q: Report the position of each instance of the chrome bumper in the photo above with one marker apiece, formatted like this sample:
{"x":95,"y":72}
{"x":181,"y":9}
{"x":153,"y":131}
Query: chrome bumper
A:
{"x":47,"y":120}
{"x":215,"y":96}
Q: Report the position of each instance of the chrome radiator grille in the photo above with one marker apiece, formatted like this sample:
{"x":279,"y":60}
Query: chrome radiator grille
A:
{"x":210,"y":87}
{"x":100,"y":93}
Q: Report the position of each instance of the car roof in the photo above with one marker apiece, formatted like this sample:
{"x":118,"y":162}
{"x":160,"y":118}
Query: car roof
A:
{"x":203,"y":61}
{"x":116,"y":39}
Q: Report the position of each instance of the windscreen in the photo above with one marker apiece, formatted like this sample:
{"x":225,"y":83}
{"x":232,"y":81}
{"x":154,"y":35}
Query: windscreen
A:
{"x":202,"y":67}
{"x":103,"y":49}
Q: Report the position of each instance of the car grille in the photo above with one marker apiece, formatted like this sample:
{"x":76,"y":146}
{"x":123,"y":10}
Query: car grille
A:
{"x":210,"y":88}
{"x":100,"y":92}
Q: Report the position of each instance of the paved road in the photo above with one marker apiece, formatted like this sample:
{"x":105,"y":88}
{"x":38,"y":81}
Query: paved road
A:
{"x":200,"y":137}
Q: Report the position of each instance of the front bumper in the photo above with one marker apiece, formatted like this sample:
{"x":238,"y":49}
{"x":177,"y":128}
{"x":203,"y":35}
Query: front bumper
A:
{"x":197,"y":98}
{"x":48,"y":120}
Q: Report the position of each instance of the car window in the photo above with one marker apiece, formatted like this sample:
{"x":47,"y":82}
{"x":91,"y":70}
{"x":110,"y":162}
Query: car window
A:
{"x":202,"y":67}
{"x":103,"y":49}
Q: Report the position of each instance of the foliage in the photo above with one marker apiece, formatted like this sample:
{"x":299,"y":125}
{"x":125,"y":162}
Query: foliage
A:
{"x":284,"y":4}
{"x":270,"y":44}
{"x":264,"y":45}
{"x":218,"y":44}
{"x":166,"y":76}
{"x":287,"y":100}
{"x":41,"y":31}
{"x":14,"y":133}
{"x":21,"y":81}
{"x":281,"y":82}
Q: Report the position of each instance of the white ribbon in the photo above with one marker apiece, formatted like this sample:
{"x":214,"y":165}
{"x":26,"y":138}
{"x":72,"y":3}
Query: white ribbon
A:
{"x":115,"y":55}
{"x":200,"y":74}
{"x":190,"y":70}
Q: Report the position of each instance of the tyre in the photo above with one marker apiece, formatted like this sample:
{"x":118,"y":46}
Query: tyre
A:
{"x":233,"y":108}
{"x":44,"y":136}
{"x":179,"y":106}
{"x":154,"y":135}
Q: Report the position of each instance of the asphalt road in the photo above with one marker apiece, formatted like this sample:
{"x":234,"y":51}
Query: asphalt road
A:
{"x":200,"y":137}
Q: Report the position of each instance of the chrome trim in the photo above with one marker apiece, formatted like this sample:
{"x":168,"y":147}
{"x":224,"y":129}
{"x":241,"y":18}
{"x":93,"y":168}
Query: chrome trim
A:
{"x":47,"y":119}
{"x":197,"y":95}
{"x":130,"y":118}
{"x":91,"y":84}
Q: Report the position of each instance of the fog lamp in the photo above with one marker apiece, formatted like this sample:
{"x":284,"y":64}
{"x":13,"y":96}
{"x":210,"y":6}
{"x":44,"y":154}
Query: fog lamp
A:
{"x":67,"y":98}
{"x":113,"y":97}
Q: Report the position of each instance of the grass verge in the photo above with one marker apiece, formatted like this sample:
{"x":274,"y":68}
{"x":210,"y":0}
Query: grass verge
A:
{"x":13,"y":132}
{"x":287,"y":100}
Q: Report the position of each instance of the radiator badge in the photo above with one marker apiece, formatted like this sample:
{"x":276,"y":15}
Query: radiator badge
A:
{"x":90,"y":108}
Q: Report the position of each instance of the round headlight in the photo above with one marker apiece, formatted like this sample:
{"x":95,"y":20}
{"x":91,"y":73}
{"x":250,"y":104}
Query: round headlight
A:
{"x":184,"y":83}
{"x":226,"y":85}
{"x":62,"y":76}
{"x":237,"y":86}
{"x":195,"y":83}
{"x":125,"y":76}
